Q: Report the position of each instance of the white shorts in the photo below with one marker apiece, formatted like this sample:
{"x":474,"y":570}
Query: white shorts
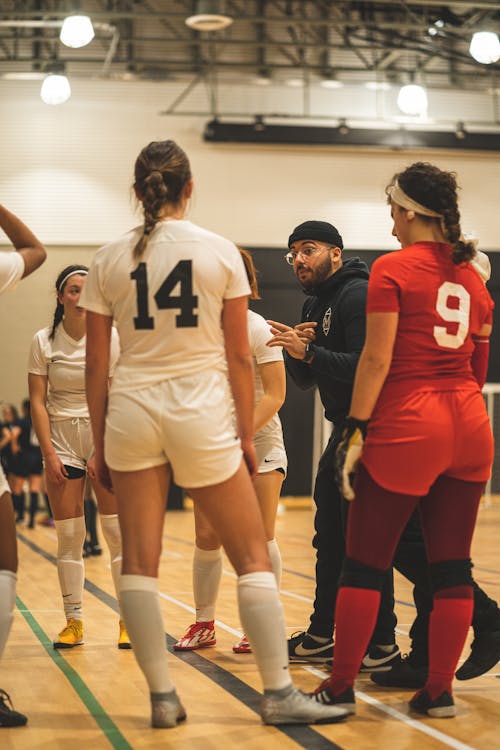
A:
{"x":271,"y":455}
{"x":4,"y":485}
{"x":182,"y":421}
{"x":72,"y":440}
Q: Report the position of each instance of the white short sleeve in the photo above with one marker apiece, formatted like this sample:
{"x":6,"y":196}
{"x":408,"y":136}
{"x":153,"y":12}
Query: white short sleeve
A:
{"x":11,"y":270}
{"x":260,"y":334}
{"x":37,"y":361}
{"x":238,"y":284}
{"x":92,"y":297}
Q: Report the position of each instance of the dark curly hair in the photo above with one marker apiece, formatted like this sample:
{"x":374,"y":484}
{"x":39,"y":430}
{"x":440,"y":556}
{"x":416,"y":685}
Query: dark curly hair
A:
{"x":436,"y":189}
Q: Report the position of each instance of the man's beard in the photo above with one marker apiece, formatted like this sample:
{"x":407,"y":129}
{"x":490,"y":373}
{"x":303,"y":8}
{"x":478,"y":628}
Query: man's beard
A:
{"x":323,"y":271}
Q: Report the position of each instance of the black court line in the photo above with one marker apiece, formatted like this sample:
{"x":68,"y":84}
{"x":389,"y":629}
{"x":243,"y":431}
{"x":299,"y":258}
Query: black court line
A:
{"x":304,"y":736}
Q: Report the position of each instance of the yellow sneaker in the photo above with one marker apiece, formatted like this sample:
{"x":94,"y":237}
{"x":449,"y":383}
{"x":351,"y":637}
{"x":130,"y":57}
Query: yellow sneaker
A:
{"x":71,"y":635}
{"x":123,"y":640}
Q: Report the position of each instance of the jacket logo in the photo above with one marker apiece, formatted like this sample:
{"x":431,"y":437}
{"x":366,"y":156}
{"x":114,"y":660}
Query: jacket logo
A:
{"x":327,"y":319}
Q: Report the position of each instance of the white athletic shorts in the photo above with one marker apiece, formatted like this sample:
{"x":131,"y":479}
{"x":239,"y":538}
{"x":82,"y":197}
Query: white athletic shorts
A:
{"x":4,"y":485}
{"x":271,"y":454}
{"x":183,"y":421}
{"x":72,"y":440}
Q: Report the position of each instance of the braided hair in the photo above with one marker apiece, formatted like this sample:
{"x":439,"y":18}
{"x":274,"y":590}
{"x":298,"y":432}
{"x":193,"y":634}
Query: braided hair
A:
{"x":437,"y":190}
{"x":61,"y":282}
{"x":161,"y":173}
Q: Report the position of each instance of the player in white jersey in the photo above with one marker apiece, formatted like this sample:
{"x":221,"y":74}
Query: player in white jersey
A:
{"x":13,"y":267}
{"x":178,"y":295}
{"x":269,"y":390}
{"x":61,"y":420}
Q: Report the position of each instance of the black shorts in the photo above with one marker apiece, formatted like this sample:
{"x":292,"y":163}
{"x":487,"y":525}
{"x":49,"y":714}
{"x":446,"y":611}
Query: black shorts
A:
{"x":27,"y":463}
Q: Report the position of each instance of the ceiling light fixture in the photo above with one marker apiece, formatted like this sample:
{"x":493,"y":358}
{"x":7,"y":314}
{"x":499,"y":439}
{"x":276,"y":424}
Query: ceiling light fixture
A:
{"x":55,"y":87}
{"x":76,"y":31}
{"x":412,"y":99}
{"x":331,"y":83}
{"x":209,"y":15}
{"x":377,"y":86}
{"x":485,"y":47}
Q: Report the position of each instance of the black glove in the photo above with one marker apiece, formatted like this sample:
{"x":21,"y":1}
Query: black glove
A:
{"x":348,"y":454}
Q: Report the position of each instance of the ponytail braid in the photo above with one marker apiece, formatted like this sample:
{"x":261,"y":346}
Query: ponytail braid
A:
{"x":161,"y":173}
{"x":58,"y":316}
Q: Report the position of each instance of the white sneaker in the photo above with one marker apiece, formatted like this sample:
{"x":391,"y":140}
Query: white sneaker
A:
{"x":166,"y":710}
{"x":299,"y":708}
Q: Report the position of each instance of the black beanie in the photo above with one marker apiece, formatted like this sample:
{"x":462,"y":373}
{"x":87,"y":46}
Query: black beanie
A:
{"x":321,"y":231}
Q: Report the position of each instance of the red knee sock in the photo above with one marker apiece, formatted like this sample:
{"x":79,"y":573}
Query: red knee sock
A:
{"x":449,"y":623}
{"x":355,"y":617}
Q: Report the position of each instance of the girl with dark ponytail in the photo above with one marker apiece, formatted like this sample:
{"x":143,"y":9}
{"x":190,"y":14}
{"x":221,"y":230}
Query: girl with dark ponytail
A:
{"x":60,"y":417}
{"x":418,"y":434}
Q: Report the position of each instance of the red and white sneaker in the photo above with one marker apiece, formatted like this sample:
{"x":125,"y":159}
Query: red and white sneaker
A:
{"x":243,"y":646}
{"x":198,"y":635}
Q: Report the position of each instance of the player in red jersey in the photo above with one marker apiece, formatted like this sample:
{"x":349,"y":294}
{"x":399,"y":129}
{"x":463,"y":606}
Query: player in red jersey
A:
{"x":428,"y":438}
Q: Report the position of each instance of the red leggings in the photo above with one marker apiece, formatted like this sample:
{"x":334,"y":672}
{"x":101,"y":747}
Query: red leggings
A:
{"x":377,"y":518}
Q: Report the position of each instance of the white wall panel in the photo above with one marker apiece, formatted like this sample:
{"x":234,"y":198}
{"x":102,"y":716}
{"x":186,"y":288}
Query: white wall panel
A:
{"x":67,"y":172}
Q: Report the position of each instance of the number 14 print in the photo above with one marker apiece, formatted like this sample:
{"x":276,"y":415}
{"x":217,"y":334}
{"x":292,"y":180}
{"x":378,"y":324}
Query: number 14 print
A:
{"x":186,"y":301}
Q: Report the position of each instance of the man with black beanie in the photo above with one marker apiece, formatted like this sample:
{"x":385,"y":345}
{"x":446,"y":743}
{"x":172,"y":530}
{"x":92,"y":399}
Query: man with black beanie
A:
{"x":323,"y":350}
{"x":335,"y":311}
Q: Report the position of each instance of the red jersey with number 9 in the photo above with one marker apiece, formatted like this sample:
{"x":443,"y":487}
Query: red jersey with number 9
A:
{"x":440,"y":306}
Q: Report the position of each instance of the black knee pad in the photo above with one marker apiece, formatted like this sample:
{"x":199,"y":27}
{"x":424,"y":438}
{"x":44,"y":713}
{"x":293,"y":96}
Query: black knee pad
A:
{"x":450,"y":573}
{"x":360,"y":576}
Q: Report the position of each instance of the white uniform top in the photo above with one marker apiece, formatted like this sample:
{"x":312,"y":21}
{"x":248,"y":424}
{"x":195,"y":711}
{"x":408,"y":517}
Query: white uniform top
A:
{"x":11,"y":270}
{"x":259,"y":334}
{"x":62,"y":361}
{"x":167,"y":305}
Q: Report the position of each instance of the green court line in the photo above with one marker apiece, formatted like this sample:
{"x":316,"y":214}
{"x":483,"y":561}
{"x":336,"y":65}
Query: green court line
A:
{"x":108,"y":727}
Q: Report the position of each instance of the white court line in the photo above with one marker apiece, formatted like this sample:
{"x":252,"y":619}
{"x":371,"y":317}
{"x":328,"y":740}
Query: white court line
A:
{"x":415,"y":724}
{"x":292,"y":595}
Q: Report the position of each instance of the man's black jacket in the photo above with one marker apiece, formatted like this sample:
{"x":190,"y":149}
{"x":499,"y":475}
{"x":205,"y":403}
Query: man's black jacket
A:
{"x":338,"y":306}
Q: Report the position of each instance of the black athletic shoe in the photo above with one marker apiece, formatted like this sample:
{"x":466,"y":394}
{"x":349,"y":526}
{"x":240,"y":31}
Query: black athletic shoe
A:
{"x":484,"y":654}
{"x":402,"y":674}
{"x":9,"y":717}
{"x":441,"y":707}
{"x":303,"y":647}
{"x":345,"y":700}
{"x":378,"y":660}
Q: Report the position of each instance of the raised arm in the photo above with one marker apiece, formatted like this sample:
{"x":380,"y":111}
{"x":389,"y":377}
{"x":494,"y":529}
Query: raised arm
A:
{"x":23,"y":239}
{"x":240,"y":372}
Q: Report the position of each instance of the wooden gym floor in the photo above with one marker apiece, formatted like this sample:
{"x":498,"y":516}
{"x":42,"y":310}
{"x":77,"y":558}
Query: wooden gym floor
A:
{"x":94,"y":697}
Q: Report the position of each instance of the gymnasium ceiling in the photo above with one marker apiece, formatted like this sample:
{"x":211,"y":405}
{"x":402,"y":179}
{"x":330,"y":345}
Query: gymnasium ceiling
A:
{"x":309,"y":39}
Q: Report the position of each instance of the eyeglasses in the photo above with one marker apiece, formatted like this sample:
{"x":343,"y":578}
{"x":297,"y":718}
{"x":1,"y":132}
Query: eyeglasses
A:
{"x":306,"y":252}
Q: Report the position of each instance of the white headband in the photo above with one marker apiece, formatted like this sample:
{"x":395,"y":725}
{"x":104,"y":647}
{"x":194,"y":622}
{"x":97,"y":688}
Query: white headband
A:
{"x":398,"y":195}
{"x":79,"y":272}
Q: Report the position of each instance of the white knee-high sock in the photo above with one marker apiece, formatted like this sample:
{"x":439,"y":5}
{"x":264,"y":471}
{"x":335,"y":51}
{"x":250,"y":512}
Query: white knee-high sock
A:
{"x":111,"y":532}
{"x":261,"y":615}
{"x":7,"y":602}
{"x":140,"y":607}
{"x":70,"y":538}
{"x":207,"y":572}
{"x":275,"y":556}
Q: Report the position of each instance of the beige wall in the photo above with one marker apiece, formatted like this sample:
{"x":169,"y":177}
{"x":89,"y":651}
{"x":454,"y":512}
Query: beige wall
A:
{"x":67,"y":172}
